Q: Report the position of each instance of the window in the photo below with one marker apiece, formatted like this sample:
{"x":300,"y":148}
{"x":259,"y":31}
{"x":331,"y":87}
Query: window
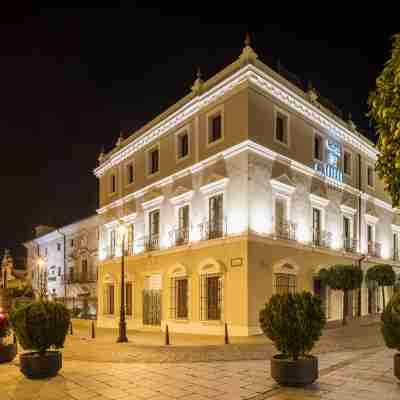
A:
{"x":285,"y":283}
{"x":347,"y":163}
{"x":318,"y":152}
{"x":38,"y":250}
{"x":370,"y":233}
{"x":71,"y":274}
{"x":346,"y":228}
{"x":58,"y":247}
{"x":59,"y":271}
{"x":113,"y":183}
{"x":316,"y":213}
{"x":45,"y":249}
{"x":179,"y":298}
{"x":211,"y":297}
{"x":129,"y":174}
{"x":130,"y":239}
{"x":153,"y":161}
{"x":183,"y":224}
{"x":84,"y":270}
{"x":154,"y":225}
{"x":370,"y":176}
{"x":109,"y":306}
{"x":128,"y":298}
{"x":183,"y":145}
{"x":395,"y":246}
{"x":216,"y":217}
{"x":112,"y":243}
{"x":281,"y":128}
{"x":71,"y":242}
{"x":215,"y":128}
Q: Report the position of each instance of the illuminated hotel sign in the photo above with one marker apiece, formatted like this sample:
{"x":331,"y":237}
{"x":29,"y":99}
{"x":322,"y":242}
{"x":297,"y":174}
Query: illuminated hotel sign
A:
{"x":331,"y":168}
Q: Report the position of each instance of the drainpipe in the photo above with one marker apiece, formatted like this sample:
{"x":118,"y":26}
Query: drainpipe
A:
{"x":65,"y":264}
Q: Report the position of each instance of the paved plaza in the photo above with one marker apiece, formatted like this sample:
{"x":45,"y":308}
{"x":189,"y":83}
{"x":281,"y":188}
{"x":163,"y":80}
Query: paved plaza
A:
{"x":357,"y":367}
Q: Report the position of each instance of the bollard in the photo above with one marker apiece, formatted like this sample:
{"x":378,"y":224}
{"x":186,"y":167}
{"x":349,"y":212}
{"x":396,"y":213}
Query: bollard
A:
{"x":93,"y":331}
{"x":226,"y":334}
{"x":166,"y":335}
{"x":70,"y":328}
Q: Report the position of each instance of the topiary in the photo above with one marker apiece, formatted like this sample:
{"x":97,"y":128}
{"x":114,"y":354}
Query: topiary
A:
{"x":293,"y":322}
{"x":391,"y":323}
{"x":383,"y":275}
{"x":41,"y":325}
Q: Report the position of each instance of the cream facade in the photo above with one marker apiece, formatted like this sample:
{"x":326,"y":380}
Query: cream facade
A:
{"x":246,"y":187}
{"x":69,"y":256}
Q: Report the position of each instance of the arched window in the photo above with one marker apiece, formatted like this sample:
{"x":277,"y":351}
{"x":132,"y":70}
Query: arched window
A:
{"x":285,"y":277}
{"x":179,"y":292}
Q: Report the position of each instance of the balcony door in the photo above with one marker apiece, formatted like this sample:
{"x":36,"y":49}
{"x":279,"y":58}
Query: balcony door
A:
{"x":154,"y":228}
{"x":183,"y":224}
{"x":316,"y":213}
{"x":216,"y":216}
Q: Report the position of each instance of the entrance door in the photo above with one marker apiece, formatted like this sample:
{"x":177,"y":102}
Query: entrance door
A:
{"x":321,"y":290}
{"x":213,"y":304}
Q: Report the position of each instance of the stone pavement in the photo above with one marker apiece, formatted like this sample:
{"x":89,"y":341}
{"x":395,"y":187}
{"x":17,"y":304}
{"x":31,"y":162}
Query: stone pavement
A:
{"x":355,"y":375}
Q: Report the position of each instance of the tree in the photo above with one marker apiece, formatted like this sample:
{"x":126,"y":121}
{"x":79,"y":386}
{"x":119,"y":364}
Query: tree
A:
{"x":383,"y":275}
{"x":384,"y":111}
{"x":345,"y":278}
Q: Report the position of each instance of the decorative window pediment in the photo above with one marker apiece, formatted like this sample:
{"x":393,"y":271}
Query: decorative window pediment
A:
{"x":371,"y":219}
{"x":214,"y":186}
{"x":152,"y":199}
{"x":181,"y":195}
{"x":347,"y":209}
{"x":318,"y":200}
{"x":283,"y":185}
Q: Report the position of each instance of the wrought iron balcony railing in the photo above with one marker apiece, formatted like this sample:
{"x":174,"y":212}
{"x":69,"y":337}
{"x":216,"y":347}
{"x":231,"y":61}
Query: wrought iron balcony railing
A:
{"x":374,"y":249}
{"x":322,"y":238}
{"x":350,"y":245}
{"x":213,"y":229}
{"x":80,"y":277}
{"x":286,"y":230}
{"x":179,"y":237}
{"x":148,"y":243}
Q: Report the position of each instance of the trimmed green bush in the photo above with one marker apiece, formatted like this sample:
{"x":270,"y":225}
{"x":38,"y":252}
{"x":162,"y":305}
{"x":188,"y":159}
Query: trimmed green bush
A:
{"x":41,"y":325}
{"x":344,"y":278}
{"x":383,"y":275}
{"x":391,"y":323}
{"x":293,"y":322}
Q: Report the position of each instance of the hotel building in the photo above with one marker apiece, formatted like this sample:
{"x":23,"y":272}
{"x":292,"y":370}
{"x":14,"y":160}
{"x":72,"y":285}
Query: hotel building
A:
{"x":246,"y":187}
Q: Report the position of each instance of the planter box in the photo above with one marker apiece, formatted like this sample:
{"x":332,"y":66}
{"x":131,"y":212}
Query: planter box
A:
{"x":7,"y":352}
{"x":38,"y":366}
{"x":288,"y":372}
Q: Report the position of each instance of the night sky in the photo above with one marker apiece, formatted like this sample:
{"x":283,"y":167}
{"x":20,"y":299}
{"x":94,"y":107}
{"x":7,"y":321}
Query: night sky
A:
{"x":71,"y":79}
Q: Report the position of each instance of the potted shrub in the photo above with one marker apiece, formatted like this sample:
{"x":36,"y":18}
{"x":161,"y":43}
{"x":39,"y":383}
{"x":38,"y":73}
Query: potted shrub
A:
{"x":294,"y":323}
{"x":383,"y":275}
{"x":7,"y":351}
{"x":41,"y":326}
{"x":391,"y":329}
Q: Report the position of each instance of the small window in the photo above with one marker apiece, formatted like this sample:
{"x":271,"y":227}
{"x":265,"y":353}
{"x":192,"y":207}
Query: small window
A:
{"x":154,"y":223}
{"x":129,"y":174}
{"x":370,"y":176}
{"x":153,"y":161}
{"x":318,"y":148}
{"x":183,"y":145}
{"x":215,"y":128}
{"x":58,"y":247}
{"x":281,"y":128}
{"x":347,"y":163}
{"x":113,"y":183}
{"x":285,"y":283}
{"x":72,"y":243}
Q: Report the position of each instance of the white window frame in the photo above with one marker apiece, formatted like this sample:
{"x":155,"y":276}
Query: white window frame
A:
{"x":348,"y":212}
{"x":369,"y":165}
{"x":345,"y":150}
{"x":127,"y":165}
{"x":148,"y":151}
{"x":215,"y":111}
{"x":186,"y":129}
{"x":278,"y":110}
{"x":322,"y":137}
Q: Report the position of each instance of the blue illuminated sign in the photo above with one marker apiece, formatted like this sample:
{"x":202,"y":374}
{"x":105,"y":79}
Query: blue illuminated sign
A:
{"x":333,"y":156}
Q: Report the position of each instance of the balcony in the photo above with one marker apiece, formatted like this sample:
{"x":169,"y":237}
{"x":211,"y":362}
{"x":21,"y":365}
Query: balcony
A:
{"x":285,"y":230}
{"x":322,"y":238}
{"x":350,"y":245}
{"x":374,"y":249}
{"x":213,"y":229}
{"x":179,"y":237}
{"x":80,"y":277}
{"x":148,"y":243}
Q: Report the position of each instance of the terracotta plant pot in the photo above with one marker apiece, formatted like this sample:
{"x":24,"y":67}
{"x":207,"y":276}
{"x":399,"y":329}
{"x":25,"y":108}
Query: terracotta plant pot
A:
{"x":396,"y":365}
{"x":7,"y":352}
{"x":37,"y":365}
{"x":288,"y":372}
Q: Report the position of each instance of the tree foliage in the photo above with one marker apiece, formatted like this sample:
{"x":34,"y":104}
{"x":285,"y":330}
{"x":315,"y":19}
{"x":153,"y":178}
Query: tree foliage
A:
{"x":384,"y":110}
{"x":383,"y":275}
{"x":4,"y":326}
{"x":293,"y":322}
{"x":41,"y":325}
{"x":391,"y":323}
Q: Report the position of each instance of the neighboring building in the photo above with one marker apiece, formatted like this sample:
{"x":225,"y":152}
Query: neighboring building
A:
{"x":12,"y":274}
{"x":69,"y":256}
{"x":246,"y":187}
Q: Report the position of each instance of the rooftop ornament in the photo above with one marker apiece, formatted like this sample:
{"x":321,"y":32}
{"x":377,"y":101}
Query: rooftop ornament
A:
{"x":248,"y":56}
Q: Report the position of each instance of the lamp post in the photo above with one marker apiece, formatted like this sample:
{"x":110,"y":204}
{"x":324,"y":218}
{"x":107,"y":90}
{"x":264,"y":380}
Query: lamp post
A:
{"x":122,"y":338}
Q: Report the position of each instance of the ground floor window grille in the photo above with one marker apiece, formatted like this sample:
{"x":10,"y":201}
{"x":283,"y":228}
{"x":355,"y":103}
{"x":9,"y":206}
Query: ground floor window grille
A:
{"x":285,"y":283}
{"x":179,"y":298}
{"x":128,"y":298}
{"x":109,"y":300}
{"x":211,"y":297}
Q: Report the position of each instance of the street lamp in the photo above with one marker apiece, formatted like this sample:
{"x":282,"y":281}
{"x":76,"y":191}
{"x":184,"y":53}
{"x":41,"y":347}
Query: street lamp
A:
{"x":41,"y":278}
{"x":122,"y":338}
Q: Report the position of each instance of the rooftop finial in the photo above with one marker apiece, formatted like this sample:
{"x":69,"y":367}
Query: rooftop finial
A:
{"x":196,"y":88}
{"x":120,"y":138}
{"x":312,"y":92}
{"x":101,"y":155}
{"x":248,"y":55}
